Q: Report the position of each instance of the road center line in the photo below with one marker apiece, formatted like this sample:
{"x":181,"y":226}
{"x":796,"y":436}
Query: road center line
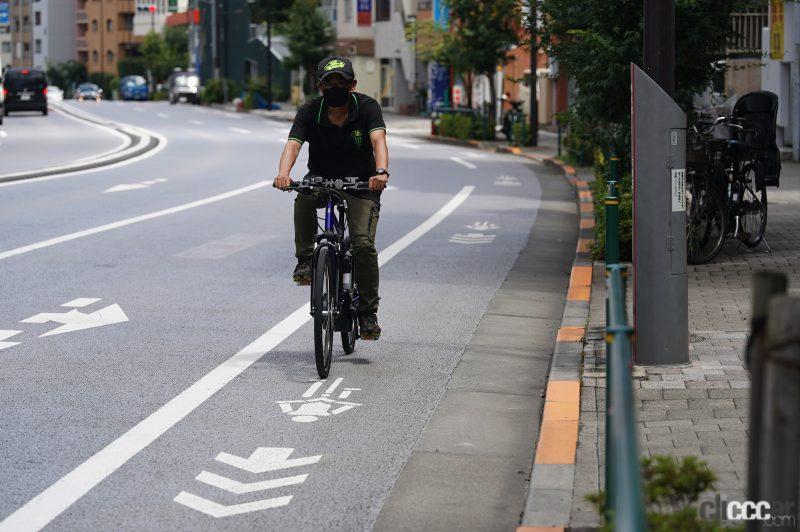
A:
{"x":130,"y":221}
{"x":240,"y":130}
{"x":196,"y":122}
{"x":50,"y":503}
{"x":459,"y":160}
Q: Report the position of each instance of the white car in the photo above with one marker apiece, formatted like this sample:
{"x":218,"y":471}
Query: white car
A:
{"x":54,"y":94}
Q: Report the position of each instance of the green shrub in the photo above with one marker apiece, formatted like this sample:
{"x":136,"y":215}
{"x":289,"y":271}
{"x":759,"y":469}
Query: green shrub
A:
{"x":259,"y":86}
{"x":457,"y":126}
{"x":214,"y":91}
{"x":671,"y":489}
{"x":599,"y":192}
{"x":159,"y":96}
{"x":520,"y":134}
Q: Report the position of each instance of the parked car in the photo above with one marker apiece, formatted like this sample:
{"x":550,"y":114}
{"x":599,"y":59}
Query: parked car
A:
{"x":89,"y":91}
{"x":133,"y":88}
{"x":54,"y":94}
{"x":183,"y":85}
{"x":25,"y":89}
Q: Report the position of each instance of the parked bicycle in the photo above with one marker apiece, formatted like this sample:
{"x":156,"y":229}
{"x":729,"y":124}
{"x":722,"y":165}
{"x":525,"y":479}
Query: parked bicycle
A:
{"x":727,"y":176}
{"x":334,"y":294}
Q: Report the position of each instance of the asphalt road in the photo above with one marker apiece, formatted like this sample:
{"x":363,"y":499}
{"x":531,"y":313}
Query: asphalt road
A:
{"x":30,"y":141}
{"x":109,"y":419}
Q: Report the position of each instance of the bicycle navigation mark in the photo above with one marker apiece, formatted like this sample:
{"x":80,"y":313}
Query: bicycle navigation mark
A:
{"x":507,"y":181}
{"x":472,"y":238}
{"x":263,"y":460}
{"x":482,"y":226}
{"x":134,"y":186}
{"x":310,"y":408}
{"x":5,"y":335}
{"x":75,"y":320}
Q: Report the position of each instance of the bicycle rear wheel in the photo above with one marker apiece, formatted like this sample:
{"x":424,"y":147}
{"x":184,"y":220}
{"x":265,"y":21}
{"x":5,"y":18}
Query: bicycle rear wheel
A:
{"x":752,"y":212}
{"x":705,"y":223}
{"x":324,"y":302}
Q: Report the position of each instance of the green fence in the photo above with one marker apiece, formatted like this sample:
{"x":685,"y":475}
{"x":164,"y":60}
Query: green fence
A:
{"x":624,"y":501}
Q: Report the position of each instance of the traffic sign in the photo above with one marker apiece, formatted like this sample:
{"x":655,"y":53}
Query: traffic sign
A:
{"x":3,"y":13}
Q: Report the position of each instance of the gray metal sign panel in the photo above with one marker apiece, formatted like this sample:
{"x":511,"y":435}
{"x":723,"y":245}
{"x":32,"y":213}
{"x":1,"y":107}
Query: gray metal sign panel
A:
{"x":660,"y":290}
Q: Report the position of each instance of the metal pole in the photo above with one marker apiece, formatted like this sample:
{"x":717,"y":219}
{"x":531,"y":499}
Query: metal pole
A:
{"x":534,"y":114}
{"x":612,"y":214}
{"x":215,"y":39}
{"x":765,"y":285}
{"x":659,"y":43}
{"x":795,"y":121}
{"x":780,"y":468}
{"x":269,"y":56}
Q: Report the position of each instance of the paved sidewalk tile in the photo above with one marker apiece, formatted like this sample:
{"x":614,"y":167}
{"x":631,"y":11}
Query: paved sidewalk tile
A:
{"x":700,"y":409}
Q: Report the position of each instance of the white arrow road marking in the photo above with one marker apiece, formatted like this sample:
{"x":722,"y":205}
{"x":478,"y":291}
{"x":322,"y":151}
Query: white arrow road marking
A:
{"x":240,"y":488}
{"x":214,"y":509}
{"x":5,"y":335}
{"x":266,"y":459}
{"x":75,"y":320}
{"x":461,"y":161}
{"x":50,"y":503}
{"x":130,"y":221}
{"x":125,"y":188}
{"x":162,"y":115}
{"x":240,"y":130}
{"x":472,"y":238}
{"x":81,"y":302}
{"x":507,"y":181}
{"x":482,"y":226}
{"x":196,"y":122}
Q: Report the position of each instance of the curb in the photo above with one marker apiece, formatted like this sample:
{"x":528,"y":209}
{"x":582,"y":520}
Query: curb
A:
{"x":140,"y":143}
{"x":549,"y":500}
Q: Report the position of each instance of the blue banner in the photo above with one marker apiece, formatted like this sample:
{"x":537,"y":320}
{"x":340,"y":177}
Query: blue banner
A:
{"x":441,"y":13}
{"x":3,"y":13}
{"x":438,"y":86}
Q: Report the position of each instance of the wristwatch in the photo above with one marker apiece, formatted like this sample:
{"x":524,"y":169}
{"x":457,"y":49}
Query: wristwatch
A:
{"x":382,"y":171}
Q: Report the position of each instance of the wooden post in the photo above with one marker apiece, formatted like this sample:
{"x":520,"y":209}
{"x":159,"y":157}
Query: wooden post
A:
{"x":780,"y":471}
{"x":765,"y":285}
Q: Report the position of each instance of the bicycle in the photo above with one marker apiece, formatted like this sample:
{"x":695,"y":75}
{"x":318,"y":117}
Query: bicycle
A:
{"x":725,"y":191}
{"x":334,"y":294}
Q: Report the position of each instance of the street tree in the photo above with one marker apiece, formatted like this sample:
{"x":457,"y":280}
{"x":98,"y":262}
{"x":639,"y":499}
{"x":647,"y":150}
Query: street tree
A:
{"x":310,"y":38}
{"x":162,"y":53}
{"x":595,"y":41}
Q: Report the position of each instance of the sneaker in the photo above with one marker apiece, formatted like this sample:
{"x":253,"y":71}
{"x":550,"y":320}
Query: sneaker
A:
{"x":302,"y":272}
{"x":368,"y":328}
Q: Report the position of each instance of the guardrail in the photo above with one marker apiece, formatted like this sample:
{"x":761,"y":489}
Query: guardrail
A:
{"x":624,"y":501}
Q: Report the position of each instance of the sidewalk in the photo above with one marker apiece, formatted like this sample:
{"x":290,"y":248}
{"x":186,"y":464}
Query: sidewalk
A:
{"x":701,"y":409}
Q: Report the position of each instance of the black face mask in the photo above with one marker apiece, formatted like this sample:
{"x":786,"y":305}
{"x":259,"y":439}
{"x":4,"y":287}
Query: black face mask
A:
{"x":336,"y":96}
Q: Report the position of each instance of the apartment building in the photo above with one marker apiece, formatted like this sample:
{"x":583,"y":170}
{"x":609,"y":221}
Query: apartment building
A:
{"x":151,"y":15}
{"x":5,"y":46}
{"x":104,"y":33}
{"x":41,"y":32}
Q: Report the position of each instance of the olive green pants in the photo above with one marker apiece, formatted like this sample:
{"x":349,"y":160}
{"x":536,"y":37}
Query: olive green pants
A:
{"x":362,"y":219}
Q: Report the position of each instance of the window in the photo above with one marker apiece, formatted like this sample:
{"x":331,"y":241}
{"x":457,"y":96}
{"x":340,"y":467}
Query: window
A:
{"x":94,"y":25}
{"x":26,"y":49}
{"x":37,"y":46}
{"x":110,"y":56}
{"x":109,"y":25}
{"x":37,"y":18}
{"x":26,"y":21}
{"x":6,"y":47}
{"x":383,"y":9}
{"x":348,"y":10}
{"x":95,"y":56}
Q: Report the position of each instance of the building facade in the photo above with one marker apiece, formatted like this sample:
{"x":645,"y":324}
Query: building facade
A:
{"x":780,"y":71}
{"x":104,"y":33}
{"x":40,"y":32}
{"x":151,"y":15}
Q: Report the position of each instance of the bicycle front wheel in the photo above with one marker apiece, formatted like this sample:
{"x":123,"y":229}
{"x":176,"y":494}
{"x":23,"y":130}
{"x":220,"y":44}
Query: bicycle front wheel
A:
{"x":323,"y":300}
{"x":705,"y":223}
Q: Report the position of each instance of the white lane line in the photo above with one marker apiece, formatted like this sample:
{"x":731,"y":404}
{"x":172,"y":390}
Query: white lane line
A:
{"x":139,"y":109}
{"x":240,"y":130}
{"x":3,"y":134}
{"x":459,"y":160}
{"x":131,"y":221}
{"x":473,"y":155}
{"x":50,"y":503}
{"x":162,"y":115}
{"x":196,"y":122}
{"x":201,"y":110}
{"x":408,"y":145}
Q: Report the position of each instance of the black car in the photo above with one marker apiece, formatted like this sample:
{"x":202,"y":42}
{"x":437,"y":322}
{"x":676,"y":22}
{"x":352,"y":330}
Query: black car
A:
{"x":25,"y":89}
{"x":88,"y":91}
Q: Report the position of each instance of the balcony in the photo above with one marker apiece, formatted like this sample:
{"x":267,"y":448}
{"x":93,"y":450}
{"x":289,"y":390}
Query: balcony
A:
{"x":126,"y":6}
{"x":80,"y":44}
{"x":81,"y":17}
{"x":124,"y":36}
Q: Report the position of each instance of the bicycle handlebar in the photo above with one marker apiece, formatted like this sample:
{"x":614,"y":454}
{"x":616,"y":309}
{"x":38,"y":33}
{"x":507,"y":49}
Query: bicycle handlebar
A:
{"x":345,"y":183}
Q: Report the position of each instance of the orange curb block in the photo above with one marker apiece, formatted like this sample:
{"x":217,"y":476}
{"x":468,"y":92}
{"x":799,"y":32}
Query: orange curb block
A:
{"x":570,"y":334}
{"x":587,"y":223}
{"x":581,"y":276}
{"x":558,"y":441}
{"x":584,"y":245}
{"x":582,"y":184}
{"x":579,"y":293}
{"x":585,"y":194}
{"x":558,"y":411}
{"x":569,"y":170}
{"x":563,"y":391}
{"x":586,"y":206}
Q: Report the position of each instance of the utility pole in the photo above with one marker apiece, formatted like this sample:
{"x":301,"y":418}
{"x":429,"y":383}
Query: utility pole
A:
{"x":214,"y":39}
{"x":534,"y":114}
{"x":269,"y":55}
{"x":659,"y":43}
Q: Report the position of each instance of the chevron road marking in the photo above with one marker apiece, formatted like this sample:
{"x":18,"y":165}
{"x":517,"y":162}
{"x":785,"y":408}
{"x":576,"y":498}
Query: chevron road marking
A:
{"x":66,"y":491}
{"x":240,"y":488}
{"x":215,"y":509}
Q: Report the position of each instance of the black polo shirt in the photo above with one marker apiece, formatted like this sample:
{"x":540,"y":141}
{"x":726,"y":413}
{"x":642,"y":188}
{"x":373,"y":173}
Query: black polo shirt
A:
{"x":339,"y":151}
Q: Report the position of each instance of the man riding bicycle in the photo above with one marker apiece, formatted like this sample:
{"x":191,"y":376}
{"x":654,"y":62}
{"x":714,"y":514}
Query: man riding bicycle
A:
{"x":335,"y":126}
